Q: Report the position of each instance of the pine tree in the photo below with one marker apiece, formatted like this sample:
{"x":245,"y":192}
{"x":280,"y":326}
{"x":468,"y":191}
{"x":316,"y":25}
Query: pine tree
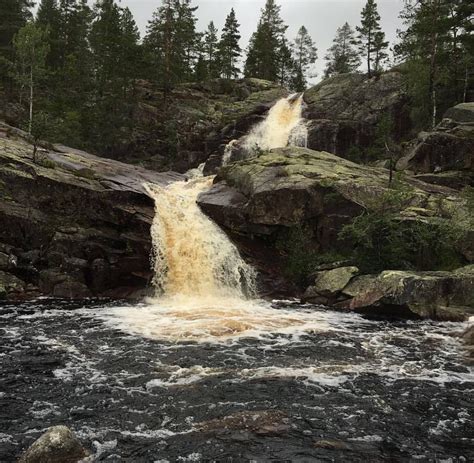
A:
{"x":208,"y":64}
{"x":265,"y":44}
{"x":172,"y":43}
{"x":31,"y":49}
{"x":379,"y":47}
{"x":368,"y":30}
{"x":435,"y":47}
{"x":228,"y":48}
{"x":305,"y":54}
{"x":342,"y":57}
{"x":131,"y":53}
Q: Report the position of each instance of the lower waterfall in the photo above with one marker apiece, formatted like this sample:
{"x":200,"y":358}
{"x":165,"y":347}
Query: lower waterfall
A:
{"x":192,"y":256}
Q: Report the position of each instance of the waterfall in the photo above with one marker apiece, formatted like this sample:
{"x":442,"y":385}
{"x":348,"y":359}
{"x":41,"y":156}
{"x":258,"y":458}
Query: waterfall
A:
{"x":284,"y":119}
{"x":192,"y":255}
{"x":204,"y":291}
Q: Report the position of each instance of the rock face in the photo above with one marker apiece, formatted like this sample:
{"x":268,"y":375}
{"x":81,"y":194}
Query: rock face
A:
{"x":292,"y":186}
{"x":57,"y":445}
{"x":200,"y":120}
{"x":344,"y":110}
{"x":72,"y":224}
{"x":445,"y":156}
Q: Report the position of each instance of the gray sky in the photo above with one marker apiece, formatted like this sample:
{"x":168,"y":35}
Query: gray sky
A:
{"x":321,"y":17}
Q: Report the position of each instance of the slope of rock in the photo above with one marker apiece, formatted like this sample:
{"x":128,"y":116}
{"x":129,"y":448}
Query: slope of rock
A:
{"x":445,"y":156}
{"x":194,"y":123}
{"x":344,"y":110}
{"x":72,"y":224}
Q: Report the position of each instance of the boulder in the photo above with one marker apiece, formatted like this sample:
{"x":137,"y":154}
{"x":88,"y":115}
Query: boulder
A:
{"x":449,"y":147}
{"x":439,"y":295}
{"x":329,"y":284}
{"x":57,"y":445}
{"x":10,"y":284}
{"x":72,"y":222}
{"x":343,"y":111}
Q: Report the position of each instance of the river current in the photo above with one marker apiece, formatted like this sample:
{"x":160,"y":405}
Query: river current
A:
{"x":347,"y":389}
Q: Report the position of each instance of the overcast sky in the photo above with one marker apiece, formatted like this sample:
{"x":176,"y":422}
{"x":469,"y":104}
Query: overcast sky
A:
{"x":321,"y":17}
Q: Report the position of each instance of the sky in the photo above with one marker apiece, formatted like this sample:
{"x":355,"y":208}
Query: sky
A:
{"x":321,"y":17}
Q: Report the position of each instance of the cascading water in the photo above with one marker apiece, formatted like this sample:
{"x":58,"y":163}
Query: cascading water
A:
{"x":276,"y":131}
{"x":192,"y":256}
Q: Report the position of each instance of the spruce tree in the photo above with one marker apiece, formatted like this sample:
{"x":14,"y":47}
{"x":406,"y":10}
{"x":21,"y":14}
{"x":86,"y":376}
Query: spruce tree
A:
{"x":368,"y":31}
{"x":228,"y":48}
{"x":13,"y":16}
{"x":265,"y":44}
{"x":342,"y":57}
{"x":305,"y":54}
{"x":48,"y":17}
{"x":208,"y":64}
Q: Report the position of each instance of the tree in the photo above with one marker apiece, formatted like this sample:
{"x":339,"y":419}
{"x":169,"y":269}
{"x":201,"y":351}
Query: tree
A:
{"x":342,"y":57}
{"x":228,"y":48}
{"x":48,"y":17}
{"x":14,"y":14}
{"x":209,"y":62}
{"x":437,"y":49}
{"x":286,"y":65}
{"x":172,"y":43}
{"x":265,"y":44}
{"x":368,"y":31}
{"x":305,"y":54}
{"x":379,"y":47}
{"x":31,"y":48}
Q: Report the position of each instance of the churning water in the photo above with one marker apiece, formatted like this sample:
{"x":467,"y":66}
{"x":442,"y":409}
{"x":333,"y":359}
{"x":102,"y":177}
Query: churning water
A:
{"x":353,"y":390}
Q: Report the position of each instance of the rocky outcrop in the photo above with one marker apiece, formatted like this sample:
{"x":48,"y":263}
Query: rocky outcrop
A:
{"x":343,"y":111}
{"x":445,"y":156}
{"x":295,"y":186}
{"x":192,"y":124}
{"x":329,"y":284}
{"x":57,"y":445}
{"x":438,"y":295}
{"x":72,"y":224}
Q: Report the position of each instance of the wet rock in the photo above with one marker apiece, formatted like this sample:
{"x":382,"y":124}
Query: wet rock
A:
{"x":71,"y":289}
{"x":328,"y":284}
{"x":438,"y":295}
{"x":57,"y":445}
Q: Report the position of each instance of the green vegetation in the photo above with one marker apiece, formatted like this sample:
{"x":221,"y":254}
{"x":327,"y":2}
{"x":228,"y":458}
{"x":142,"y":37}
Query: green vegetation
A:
{"x":382,"y":239}
{"x":301,"y":258}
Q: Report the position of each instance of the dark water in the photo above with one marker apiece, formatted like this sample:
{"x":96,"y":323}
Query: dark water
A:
{"x":358,"y":390}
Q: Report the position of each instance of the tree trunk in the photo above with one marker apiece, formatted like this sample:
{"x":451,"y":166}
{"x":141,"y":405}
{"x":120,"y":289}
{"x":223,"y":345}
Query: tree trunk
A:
{"x":31,"y":101}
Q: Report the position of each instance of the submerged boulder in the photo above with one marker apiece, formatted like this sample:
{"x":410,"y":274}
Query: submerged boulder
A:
{"x":57,"y":445}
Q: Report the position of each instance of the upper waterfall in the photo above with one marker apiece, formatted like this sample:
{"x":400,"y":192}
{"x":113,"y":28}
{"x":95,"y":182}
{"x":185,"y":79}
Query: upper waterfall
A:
{"x":276,"y":130}
{"x":284,"y":125}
